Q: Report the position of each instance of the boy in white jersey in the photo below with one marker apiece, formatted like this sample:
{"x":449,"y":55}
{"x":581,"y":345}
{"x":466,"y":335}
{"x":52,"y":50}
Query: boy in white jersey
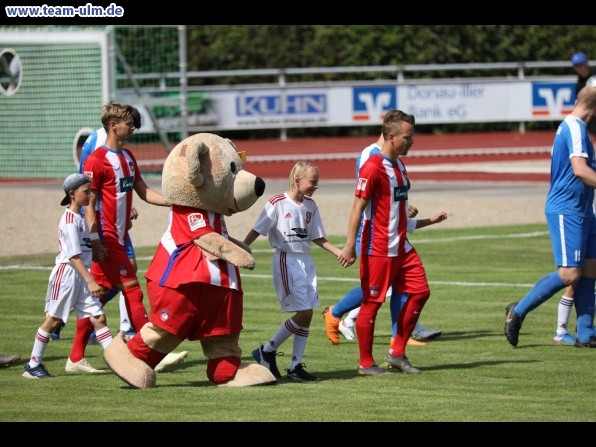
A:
{"x":71,"y":286}
{"x":291,"y":222}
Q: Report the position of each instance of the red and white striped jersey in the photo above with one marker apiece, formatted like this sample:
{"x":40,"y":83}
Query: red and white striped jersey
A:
{"x":385,"y":219}
{"x":178,"y":260}
{"x":113,"y":175}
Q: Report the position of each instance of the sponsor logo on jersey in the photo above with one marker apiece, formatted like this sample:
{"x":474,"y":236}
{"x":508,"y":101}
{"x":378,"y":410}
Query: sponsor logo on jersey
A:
{"x":300,"y":232}
{"x":126,"y":184}
{"x":400,"y":193}
{"x":196,"y":221}
{"x":288,"y":215}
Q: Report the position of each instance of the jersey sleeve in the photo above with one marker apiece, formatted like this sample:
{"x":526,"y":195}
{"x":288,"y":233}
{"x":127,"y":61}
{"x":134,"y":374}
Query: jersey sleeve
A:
{"x":70,"y":241}
{"x":266,"y":219}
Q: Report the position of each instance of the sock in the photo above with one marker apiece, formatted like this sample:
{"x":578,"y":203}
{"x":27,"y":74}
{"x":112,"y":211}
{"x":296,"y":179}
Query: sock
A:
{"x":350,"y":320}
{"x":395,"y":305}
{"x":125,"y":325}
{"x":299,"y":346}
{"x":82,"y":333}
{"x":350,"y":301}
{"x":285,"y":331}
{"x":564,"y":311}
{"x":407,"y":320}
{"x":546,"y":287}
{"x":42,"y":338}
{"x":137,"y":312}
{"x":103,"y":336}
{"x":584,"y":308}
{"x":365,"y":328}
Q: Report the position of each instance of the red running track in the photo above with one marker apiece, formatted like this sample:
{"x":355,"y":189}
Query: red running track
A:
{"x":336,"y":157}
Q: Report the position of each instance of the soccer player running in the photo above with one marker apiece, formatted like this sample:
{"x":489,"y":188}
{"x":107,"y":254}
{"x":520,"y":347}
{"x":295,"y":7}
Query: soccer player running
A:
{"x":571,"y":224}
{"x":387,"y":257}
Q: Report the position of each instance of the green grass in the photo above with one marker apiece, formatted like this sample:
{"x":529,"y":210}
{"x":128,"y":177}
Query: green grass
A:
{"x":470,"y":373}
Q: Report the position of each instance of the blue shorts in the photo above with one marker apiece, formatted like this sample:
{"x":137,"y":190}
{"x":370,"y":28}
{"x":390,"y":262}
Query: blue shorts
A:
{"x":573,"y":238}
{"x":130,"y":251}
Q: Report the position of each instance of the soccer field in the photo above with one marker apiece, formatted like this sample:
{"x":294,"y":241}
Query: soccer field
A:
{"x":470,"y":373}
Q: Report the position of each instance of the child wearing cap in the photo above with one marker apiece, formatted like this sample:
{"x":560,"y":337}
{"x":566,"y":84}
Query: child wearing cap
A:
{"x":70,"y":286}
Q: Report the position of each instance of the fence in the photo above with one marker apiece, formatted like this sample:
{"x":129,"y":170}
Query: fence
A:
{"x":66,"y":75}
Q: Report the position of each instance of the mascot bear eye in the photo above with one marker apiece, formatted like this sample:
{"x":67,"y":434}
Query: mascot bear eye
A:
{"x":233,"y":168}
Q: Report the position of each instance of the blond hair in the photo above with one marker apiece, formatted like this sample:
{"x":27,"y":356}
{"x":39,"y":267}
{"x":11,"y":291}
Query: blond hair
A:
{"x":299,"y":171}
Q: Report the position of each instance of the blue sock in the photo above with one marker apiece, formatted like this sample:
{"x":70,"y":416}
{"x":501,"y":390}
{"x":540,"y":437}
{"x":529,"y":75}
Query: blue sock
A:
{"x":350,"y":301}
{"x":395,"y":305}
{"x":584,"y":308}
{"x":546,"y":287}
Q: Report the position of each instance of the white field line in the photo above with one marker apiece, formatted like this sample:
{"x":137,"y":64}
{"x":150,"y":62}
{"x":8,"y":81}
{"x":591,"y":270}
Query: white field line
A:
{"x":354,"y":280}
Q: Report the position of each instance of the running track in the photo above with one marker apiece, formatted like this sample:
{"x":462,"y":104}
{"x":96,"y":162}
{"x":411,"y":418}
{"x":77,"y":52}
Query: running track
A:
{"x":479,"y":156}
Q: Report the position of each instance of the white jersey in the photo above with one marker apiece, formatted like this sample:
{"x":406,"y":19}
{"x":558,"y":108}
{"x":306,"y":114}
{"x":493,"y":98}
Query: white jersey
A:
{"x":290,"y":226}
{"x":67,"y":290}
{"x":73,"y":239}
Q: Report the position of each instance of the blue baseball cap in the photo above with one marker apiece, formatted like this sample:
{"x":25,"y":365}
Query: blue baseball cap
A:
{"x":578,"y":59}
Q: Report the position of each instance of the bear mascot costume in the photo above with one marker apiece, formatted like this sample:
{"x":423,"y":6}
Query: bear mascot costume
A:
{"x":193,"y":281}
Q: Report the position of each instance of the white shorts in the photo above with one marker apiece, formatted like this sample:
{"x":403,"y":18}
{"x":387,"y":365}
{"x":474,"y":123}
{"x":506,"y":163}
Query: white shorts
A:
{"x":67,"y":291}
{"x":295,"y":281}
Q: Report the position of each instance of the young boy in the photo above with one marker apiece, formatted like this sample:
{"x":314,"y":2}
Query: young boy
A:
{"x":291,"y":221}
{"x":71,"y":286}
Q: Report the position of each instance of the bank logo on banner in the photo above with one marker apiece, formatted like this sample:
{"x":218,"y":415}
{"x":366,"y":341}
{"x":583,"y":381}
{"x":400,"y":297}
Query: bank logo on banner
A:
{"x":552,"y":100}
{"x":371,"y":103}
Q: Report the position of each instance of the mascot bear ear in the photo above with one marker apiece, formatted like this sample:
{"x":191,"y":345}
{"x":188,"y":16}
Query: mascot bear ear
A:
{"x":193,"y":159}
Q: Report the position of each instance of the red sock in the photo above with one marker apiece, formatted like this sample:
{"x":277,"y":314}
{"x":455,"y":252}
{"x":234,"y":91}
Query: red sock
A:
{"x":134,"y":305}
{"x":406,"y":321}
{"x":82,"y":333}
{"x":366,"y":330}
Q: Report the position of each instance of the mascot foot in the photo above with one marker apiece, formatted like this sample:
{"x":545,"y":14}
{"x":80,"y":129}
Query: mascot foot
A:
{"x":133,"y":371}
{"x":173,"y":358}
{"x":251,"y":374}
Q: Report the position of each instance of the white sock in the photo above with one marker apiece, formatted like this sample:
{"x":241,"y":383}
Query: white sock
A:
{"x":564,"y":312}
{"x":350,"y":320}
{"x":124,"y":320}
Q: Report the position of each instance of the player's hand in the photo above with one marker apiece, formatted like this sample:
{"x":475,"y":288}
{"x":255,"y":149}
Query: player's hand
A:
{"x":133,"y":213}
{"x":99,"y":251}
{"x":412,"y":211}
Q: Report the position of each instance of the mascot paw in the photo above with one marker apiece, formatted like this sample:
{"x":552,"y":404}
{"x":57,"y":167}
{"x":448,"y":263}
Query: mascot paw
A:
{"x":133,"y":371}
{"x":251,"y":374}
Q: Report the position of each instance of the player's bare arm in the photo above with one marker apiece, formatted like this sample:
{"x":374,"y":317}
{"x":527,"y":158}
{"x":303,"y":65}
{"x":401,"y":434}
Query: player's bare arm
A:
{"x":149,"y":195}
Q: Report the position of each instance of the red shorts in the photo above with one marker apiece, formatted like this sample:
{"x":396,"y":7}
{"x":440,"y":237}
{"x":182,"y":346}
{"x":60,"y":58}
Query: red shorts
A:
{"x":116,"y":268}
{"x":404,"y":273}
{"x":196,"y":310}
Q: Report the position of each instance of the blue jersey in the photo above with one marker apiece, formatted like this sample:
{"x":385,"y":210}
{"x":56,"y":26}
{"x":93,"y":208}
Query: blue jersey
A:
{"x":568,"y":195}
{"x":96,"y":139}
